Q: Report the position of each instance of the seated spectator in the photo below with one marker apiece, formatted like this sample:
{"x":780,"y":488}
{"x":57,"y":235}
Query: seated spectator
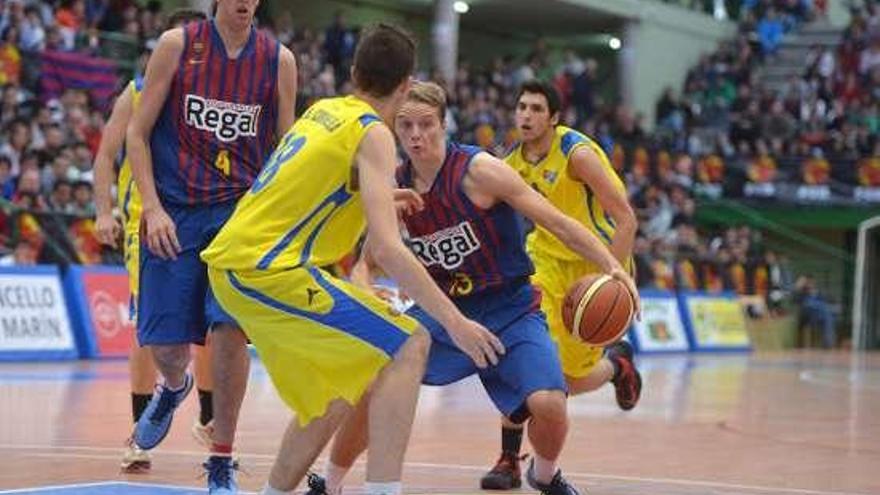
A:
{"x":24,"y":254}
{"x":61,"y":199}
{"x":83,"y":199}
{"x":770,"y":32}
{"x":815,"y":311}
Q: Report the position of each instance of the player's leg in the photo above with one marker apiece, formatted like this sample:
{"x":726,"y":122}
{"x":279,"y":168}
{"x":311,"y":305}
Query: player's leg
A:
{"x":142,"y":372}
{"x":231,"y":364}
{"x":348,"y":444}
{"x":446,"y":364}
{"x":171,"y":317}
{"x":319,"y":346}
{"x":528,"y":384}
{"x":142,"y":378}
{"x":392,"y":408}
{"x":301,"y":445}
{"x":548,"y":427}
{"x":506,"y":473}
{"x":203,"y":426}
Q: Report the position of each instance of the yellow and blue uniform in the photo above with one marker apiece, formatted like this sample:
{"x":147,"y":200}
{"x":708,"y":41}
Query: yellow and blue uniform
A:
{"x":129,"y":200}
{"x":320,"y":337}
{"x":556,"y":266}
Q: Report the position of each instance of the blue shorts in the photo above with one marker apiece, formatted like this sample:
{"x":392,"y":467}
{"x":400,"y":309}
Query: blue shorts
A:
{"x":530,"y":363}
{"x":175,"y":303}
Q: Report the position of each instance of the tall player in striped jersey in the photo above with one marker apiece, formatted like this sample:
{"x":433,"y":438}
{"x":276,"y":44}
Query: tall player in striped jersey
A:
{"x":142,"y":372}
{"x":470,"y":236}
{"x":217,"y":94}
{"x":573,"y":173}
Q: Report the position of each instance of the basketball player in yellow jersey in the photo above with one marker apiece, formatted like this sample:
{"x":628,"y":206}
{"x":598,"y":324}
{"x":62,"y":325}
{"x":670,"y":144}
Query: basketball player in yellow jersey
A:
{"x":322,"y":340}
{"x":142,"y":372}
{"x":572,"y":171}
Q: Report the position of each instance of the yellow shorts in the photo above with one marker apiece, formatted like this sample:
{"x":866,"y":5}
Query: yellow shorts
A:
{"x":319,"y":337}
{"x":554,"y":277}
{"x":131,"y":250}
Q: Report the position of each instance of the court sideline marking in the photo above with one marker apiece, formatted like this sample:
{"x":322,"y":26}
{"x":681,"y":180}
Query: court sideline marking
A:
{"x":422,"y":465}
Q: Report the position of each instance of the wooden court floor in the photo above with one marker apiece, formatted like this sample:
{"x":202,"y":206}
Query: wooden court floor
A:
{"x":775,"y":424}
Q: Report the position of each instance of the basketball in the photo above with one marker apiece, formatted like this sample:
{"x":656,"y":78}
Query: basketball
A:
{"x":597,"y":309}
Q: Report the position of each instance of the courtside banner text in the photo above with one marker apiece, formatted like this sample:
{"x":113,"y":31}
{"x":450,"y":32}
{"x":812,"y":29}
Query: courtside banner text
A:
{"x":34,"y":322}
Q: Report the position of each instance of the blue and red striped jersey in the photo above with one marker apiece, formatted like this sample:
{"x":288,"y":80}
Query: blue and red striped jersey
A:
{"x":219,"y":122}
{"x":466,"y":249}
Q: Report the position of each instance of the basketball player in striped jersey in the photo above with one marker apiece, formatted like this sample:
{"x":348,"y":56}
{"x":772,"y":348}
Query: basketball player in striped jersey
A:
{"x":217,"y":95}
{"x":142,"y":372}
{"x":573,"y":173}
{"x":469,"y":234}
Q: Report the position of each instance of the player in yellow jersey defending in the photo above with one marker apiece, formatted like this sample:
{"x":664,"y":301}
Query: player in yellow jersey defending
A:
{"x":142,"y":372}
{"x":573,"y":172}
{"x":322,"y":340}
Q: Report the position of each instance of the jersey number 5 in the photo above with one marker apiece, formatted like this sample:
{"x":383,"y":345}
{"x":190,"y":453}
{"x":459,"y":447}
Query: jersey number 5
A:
{"x":289,"y":147}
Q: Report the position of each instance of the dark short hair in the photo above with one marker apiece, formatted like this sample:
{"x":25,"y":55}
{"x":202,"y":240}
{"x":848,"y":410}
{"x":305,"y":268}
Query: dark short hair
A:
{"x":184,"y":16}
{"x":385,"y":58}
{"x":542,"y":88}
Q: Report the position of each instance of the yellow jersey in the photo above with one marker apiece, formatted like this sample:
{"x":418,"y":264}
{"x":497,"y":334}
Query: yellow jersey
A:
{"x":304,"y":207}
{"x":127,"y":196}
{"x":550,"y":177}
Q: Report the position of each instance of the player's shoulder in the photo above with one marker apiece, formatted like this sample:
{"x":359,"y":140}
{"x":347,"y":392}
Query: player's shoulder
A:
{"x":570,"y":139}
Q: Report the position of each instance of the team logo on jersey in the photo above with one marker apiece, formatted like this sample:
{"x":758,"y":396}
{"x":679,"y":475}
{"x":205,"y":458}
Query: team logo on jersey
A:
{"x":228,"y":121}
{"x":447,"y":248}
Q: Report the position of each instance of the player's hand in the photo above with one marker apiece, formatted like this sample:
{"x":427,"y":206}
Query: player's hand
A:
{"x":407,"y":201}
{"x":107,"y":229}
{"x":161,"y":233}
{"x":623,"y":276}
{"x":479,"y":344}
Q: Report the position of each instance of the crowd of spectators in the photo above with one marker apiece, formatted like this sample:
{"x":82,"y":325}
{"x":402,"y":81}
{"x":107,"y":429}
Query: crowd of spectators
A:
{"x":829,"y":109}
{"x":49,"y":139}
{"x":45,"y":160}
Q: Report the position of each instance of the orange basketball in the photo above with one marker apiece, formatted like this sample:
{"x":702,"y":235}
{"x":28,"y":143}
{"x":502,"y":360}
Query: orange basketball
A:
{"x":597,"y":309}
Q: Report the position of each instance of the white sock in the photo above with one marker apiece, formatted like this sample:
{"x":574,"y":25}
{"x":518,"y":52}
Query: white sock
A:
{"x":390,"y":488}
{"x":545,"y":469}
{"x":268,"y":490}
{"x":333,"y":477}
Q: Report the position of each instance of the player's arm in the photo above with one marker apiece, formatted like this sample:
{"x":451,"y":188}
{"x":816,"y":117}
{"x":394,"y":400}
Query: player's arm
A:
{"x":375,"y":161}
{"x":161,"y":236}
{"x":585,"y":166}
{"x":490,"y":176}
{"x":287,"y":86}
{"x":112,"y":139}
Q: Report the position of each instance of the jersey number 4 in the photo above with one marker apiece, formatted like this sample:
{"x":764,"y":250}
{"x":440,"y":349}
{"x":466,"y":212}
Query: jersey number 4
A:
{"x":289,"y":147}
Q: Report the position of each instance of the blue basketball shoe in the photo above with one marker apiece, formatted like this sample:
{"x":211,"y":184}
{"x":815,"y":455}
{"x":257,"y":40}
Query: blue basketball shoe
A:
{"x":221,"y":475}
{"x":155,"y":421}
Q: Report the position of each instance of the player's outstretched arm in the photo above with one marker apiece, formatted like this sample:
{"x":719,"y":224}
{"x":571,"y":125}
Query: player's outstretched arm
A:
{"x":585,"y":166}
{"x":112,"y":138}
{"x":490,"y":176}
{"x":287,"y":87}
{"x":375,"y":162}
{"x":161,"y":236}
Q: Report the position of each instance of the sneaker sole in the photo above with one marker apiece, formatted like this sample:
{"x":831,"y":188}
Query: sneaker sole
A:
{"x":639,"y":386}
{"x":490,"y":485}
{"x":136,"y":467}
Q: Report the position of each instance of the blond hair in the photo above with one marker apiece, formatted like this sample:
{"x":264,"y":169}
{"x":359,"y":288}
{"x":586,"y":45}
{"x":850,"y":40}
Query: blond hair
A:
{"x":430,"y":94}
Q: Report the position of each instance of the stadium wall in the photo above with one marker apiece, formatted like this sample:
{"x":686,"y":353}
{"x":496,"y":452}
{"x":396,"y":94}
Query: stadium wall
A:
{"x":661,"y":43}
